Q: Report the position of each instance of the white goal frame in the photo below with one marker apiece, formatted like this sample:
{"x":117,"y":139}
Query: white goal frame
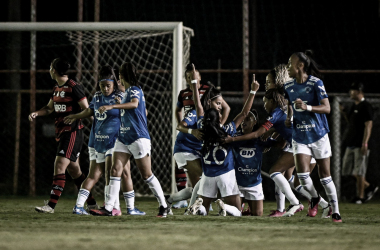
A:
{"x":178,"y":81}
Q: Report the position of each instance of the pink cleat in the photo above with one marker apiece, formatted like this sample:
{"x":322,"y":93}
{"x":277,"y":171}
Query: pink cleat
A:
{"x":116,"y":212}
{"x":313,"y":207}
{"x":276,"y":213}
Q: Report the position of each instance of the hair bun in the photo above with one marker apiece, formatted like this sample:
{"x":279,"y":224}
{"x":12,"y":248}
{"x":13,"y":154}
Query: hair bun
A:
{"x":309,"y":52}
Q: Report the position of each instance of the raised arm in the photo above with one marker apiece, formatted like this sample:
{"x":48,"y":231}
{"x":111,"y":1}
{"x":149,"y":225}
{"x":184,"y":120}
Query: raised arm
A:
{"x":194,"y":83}
{"x":225,"y":112}
{"x":248,"y":103}
{"x":46,"y":110}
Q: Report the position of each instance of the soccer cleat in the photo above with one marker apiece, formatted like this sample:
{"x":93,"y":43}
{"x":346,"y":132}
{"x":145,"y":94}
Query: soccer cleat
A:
{"x":80,"y":211}
{"x":193,"y":209}
{"x":116,"y":212}
{"x":276,"y":213}
{"x":101,"y":212}
{"x":162,"y":212}
{"x":357,"y":200}
{"x":292,"y":209}
{"x":89,"y":207}
{"x":221,"y":208}
{"x":180,"y":204}
{"x":45,"y":209}
{"x":327,"y":211}
{"x":169,"y":204}
{"x":371,"y":192}
{"x":336,"y":217}
{"x":313,"y":207}
{"x":135,"y":211}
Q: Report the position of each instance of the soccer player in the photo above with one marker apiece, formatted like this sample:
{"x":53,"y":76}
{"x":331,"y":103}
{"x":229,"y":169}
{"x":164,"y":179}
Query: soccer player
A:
{"x":188,"y":145}
{"x":308,"y":105}
{"x":217,"y":159}
{"x":67,"y":98}
{"x":133,"y":140}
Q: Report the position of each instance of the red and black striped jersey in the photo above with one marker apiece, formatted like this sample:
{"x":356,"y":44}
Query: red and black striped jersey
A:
{"x":66,"y":98}
{"x":185,"y":97}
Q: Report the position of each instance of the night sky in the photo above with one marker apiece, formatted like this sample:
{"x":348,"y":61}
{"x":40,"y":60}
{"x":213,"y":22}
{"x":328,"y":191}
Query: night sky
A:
{"x":343,"y":34}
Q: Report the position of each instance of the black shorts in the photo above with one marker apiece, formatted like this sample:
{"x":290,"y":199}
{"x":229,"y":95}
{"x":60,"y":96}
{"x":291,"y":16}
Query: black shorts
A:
{"x":70,"y":145}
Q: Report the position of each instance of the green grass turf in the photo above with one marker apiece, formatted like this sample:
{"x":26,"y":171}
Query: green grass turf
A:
{"x":21,"y":227}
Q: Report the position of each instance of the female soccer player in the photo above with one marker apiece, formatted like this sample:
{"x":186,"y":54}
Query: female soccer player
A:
{"x":217,"y":159}
{"x":133,"y":139}
{"x":104,"y":134}
{"x":308,"y":105}
{"x":67,"y":98}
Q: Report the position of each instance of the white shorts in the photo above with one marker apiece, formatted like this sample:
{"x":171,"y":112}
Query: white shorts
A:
{"x":225,"y":183}
{"x":139,"y":148}
{"x":289,"y":149}
{"x":91,"y":153}
{"x":320,"y":149}
{"x":101,"y":157}
{"x":252,"y":193}
{"x":183,"y":157}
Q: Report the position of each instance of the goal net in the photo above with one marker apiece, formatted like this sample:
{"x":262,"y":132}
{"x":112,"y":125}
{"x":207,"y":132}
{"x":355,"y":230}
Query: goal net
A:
{"x":159,"y":51}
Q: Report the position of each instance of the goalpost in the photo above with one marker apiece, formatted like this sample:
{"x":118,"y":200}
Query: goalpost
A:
{"x":159,"y":50}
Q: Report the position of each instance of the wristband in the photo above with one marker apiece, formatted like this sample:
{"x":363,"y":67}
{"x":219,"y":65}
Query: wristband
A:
{"x":252,"y":92}
{"x":189,"y":131}
{"x":309,"y":108}
{"x":194,"y":81}
{"x":365,"y":144}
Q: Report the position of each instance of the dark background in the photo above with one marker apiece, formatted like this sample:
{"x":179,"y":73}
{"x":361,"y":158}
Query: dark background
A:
{"x":343,"y":34}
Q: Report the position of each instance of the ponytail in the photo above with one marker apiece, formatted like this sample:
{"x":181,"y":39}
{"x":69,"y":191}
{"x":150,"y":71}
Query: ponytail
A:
{"x":310,"y":66}
{"x":129,"y":73}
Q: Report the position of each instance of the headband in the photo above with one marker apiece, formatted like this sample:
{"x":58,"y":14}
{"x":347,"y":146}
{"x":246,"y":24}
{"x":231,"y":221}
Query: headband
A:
{"x":106,"y":80}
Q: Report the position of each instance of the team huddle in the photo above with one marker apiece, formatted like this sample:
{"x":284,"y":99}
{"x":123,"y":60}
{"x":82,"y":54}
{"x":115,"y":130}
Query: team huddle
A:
{"x":221,"y":160}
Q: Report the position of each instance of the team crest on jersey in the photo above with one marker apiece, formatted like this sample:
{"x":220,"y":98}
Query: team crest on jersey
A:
{"x":247,"y":152}
{"x":62,"y":94}
{"x":308,"y":89}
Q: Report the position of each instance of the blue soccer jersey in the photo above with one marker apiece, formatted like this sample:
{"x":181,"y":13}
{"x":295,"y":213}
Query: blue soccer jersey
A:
{"x":219,"y":160}
{"x":276,"y":119}
{"x":248,"y":157}
{"x":107,"y":125}
{"x":133,"y":121}
{"x":186,"y":142}
{"x":308,"y":127}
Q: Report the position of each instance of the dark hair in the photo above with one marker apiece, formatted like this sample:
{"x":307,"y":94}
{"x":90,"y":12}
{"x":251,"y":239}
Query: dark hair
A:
{"x":212,"y":131}
{"x":107,"y":73}
{"x":277,"y":94}
{"x":310,"y":66}
{"x":189,"y":68}
{"x":129,"y":73}
{"x":280,"y":75}
{"x":256,"y":114}
{"x":60,"y":66}
{"x":210,"y":94}
{"x":357,"y":86}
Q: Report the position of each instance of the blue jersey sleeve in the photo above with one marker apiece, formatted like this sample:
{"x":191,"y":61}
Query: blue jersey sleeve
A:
{"x":135,"y":92}
{"x":190,"y":118}
{"x":320,"y":90}
{"x":230,"y":128}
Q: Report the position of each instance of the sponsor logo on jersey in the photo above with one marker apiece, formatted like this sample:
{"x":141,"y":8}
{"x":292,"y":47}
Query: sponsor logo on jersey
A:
{"x":292,"y":91}
{"x":247,"y":170}
{"x":247,"y":152}
{"x":305,"y":126}
{"x":62,"y":94}
{"x":60,"y":107}
{"x":101,"y":137}
{"x":62,"y":152}
{"x":124,"y":129}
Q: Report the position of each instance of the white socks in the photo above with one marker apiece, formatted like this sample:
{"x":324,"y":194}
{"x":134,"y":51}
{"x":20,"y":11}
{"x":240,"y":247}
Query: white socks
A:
{"x":284,"y":186}
{"x":129,"y":198}
{"x":184,"y":194}
{"x":156,"y":188}
{"x":232,"y":210}
{"x":82,"y":197}
{"x":280,"y":198}
{"x":307,"y":183}
{"x":114,"y":189}
{"x":194,"y":195}
{"x":330,"y":190}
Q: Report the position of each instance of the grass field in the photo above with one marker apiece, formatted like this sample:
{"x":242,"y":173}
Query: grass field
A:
{"x":23,"y":228}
